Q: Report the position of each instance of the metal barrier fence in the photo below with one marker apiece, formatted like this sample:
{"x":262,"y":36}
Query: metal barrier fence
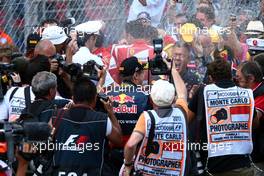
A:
{"x":18,"y":17}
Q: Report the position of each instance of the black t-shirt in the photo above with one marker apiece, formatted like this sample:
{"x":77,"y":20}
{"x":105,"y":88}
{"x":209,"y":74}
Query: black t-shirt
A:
{"x":220,"y":163}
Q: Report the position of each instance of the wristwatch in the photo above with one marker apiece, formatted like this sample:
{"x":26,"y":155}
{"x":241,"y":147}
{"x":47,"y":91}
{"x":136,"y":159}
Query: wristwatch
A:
{"x":128,"y":164}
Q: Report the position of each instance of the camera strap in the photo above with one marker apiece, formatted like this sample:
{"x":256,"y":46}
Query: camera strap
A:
{"x":57,"y":121}
{"x":12,"y":93}
{"x":27,"y":97}
{"x":151,"y":133}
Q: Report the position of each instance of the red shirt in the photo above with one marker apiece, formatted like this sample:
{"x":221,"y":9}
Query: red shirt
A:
{"x":259,"y":101}
{"x":108,"y":61}
{"x":140,"y":49}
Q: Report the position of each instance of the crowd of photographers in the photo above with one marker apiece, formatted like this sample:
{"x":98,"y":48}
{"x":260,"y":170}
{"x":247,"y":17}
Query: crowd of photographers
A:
{"x":72,"y":106}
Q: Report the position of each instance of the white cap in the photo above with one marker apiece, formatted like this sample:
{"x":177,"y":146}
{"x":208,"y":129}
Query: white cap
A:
{"x":55,"y":34}
{"x":90,"y":27}
{"x":162,"y":93}
{"x":254,"y":27}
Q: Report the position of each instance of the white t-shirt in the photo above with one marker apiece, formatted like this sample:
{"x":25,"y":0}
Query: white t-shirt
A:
{"x":154,"y":8}
{"x":108,"y":127}
{"x":11,"y":110}
{"x":84,"y":55}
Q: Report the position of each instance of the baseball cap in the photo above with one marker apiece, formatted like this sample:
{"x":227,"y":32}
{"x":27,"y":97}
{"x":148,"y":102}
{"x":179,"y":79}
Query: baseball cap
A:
{"x":55,"y":34}
{"x":32,"y":40}
{"x":90,"y":27}
{"x":187,"y":32}
{"x":129,"y":66}
{"x":144,"y":15}
{"x":162,"y":93}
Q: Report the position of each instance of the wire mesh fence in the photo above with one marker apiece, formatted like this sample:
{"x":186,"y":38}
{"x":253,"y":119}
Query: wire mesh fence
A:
{"x":18,"y":17}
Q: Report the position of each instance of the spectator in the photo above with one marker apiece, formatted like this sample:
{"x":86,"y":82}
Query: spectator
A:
{"x":144,"y":18}
{"x":179,"y":20}
{"x":49,"y":22}
{"x":261,"y":14}
{"x":207,"y":17}
{"x":105,"y":53}
{"x":249,"y":75}
{"x":154,"y":8}
{"x":210,"y":114}
{"x":181,"y":58}
{"x":260,"y":60}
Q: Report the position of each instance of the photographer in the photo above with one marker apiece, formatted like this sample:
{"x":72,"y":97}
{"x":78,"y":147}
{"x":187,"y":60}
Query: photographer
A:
{"x":249,"y":75}
{"x":87,"y":34}
{"x":44,"y":87}
{"x":217,"y":109}
{"x":83,"y":132}
{"x":11,"y":74}
{"x":129,"y":101}
{"x":15,"y":98}
{"x":58,"y":38}
{"x":153,"y":128}
{"x":46,"y":48}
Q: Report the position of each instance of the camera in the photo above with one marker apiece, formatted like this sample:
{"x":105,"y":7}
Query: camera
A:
{"x":73,"y":69}
{"x":157,"y":66}
{"x":90,"y":71}
{"x":60,"y":60}
{"x":76,"y":70}
{"x":4,"y":67}
{"x":16,"y":133}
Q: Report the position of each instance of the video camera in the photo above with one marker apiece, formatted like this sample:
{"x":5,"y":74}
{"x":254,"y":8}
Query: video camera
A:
{"x":157,"y":66}
{"x":15,"y":134}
